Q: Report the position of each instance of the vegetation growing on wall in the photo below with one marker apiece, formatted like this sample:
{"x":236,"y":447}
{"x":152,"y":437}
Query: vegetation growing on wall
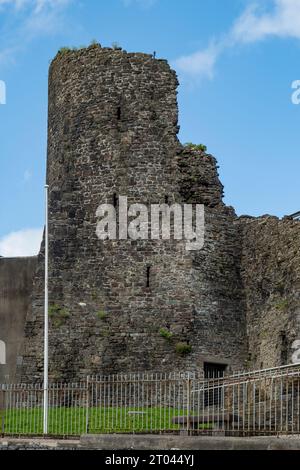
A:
{"x":164,"y":333}
{"x":58,"y":315}
{"x":101,"y":314}
{"x":183,"y":348}
{"x":192,"y":146}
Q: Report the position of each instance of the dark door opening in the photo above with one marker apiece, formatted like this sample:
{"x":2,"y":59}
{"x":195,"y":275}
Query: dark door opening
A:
{"x":213,"y":395}
{"x":284,"y":348}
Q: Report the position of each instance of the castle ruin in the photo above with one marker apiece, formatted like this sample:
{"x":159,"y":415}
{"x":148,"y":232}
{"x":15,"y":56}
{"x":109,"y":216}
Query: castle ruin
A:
{"x":148,"y":305}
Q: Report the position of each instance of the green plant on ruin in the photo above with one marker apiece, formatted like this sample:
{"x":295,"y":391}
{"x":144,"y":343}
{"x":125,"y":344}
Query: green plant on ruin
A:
{"x":264,"y":334}
{"x":104,"y":333}
{"x":101,"y":314}
{"x":58,"y":315}
{"x":94,"y":42}
{"x":192,"y":146}
{"x":183,"y":348}
{"x":94,"y":295}
{"x":166,"y":334}
{"x":64,"y":50}
{"x":282,"y":305}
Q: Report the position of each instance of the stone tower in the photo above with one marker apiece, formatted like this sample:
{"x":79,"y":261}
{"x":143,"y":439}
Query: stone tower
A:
{"x":112,"y":130}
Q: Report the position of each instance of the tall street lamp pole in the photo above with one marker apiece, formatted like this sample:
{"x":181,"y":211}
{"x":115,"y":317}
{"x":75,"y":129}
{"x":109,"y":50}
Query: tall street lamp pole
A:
{"x":45,"y":422}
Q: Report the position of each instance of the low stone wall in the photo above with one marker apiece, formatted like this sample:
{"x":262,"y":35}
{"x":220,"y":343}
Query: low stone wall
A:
{"x":114,"y":442}
{"x":173,"y":442}
{"x":38,"y":444}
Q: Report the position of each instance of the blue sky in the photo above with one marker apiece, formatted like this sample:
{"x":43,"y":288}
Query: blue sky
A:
{"x":236,"y":62}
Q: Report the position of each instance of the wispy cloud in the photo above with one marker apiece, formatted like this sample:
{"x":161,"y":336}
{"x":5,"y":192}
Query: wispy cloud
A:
{"x":27,"y":176}
{"x":256,"y":23}
{"x":139,"y":3}
{"x":14,"y":3}
{"x":28,"y":19}
{"x":200,"y":63}
{"x":22,"y":243}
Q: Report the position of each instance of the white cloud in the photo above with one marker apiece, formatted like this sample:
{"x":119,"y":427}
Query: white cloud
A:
{"x":43,"y":4}
{"x":28,"y":20}
{"x":283,"y":21}
{"x":140,"y":3}
{"x":199,"y":64}
{"x":22,"y":243}
{"x":254,"y":24}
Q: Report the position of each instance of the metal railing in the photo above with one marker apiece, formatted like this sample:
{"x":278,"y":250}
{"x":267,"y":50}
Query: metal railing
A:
{"x":246,"y":403}
{"x":296,"y":215}
{"x":21,"y":409}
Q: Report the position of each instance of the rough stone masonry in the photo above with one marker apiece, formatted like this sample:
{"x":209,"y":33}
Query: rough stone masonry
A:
{"x":147,"y":305}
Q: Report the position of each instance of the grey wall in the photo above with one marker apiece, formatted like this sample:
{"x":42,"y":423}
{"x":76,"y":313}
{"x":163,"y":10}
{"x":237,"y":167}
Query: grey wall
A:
{"x":16,"y":277}
{"x":271,"y":278}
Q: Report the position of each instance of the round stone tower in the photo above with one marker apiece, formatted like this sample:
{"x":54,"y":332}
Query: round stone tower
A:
{"x":129,"y":305}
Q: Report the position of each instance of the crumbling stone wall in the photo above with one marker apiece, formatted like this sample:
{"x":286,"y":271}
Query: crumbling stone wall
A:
{"x":113,"y":123}
{"x":198,"y":178}
{"x":270,"y":268}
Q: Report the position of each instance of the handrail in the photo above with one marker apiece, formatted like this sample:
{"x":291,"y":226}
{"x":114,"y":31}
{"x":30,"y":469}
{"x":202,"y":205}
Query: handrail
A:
{"x":296,"y":215}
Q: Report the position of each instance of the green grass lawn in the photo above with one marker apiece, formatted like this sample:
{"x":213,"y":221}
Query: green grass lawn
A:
{"x":73,"y":421}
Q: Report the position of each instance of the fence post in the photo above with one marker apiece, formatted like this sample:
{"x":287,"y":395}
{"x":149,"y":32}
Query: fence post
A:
{"x":2,"y":410}
{"x":87,"y":404}
{"x":188,"y":405}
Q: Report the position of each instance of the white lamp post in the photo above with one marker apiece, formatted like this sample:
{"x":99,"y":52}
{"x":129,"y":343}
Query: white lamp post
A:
{"x":45,"y":423}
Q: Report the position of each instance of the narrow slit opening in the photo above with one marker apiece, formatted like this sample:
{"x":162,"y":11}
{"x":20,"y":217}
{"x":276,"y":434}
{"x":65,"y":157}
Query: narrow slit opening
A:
{"x":148,"y":276}
{"x":119,"y":113}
